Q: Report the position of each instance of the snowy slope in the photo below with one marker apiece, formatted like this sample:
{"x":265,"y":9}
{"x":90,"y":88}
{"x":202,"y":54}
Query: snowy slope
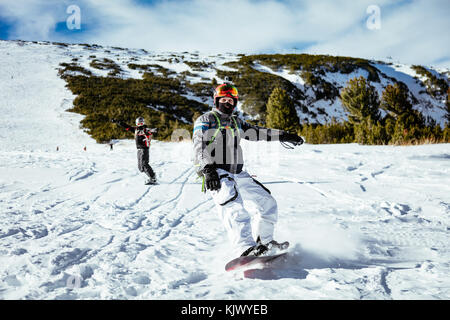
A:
{"x":201,"y":68}
{"x":365,"y":222}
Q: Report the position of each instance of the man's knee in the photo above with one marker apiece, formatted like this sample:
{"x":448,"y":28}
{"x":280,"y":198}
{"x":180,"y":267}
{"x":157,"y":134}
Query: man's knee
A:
{"x":270,"y":209}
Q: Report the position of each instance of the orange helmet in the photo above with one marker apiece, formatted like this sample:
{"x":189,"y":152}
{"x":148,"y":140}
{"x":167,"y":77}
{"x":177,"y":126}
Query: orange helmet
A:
{"x":225,"y":90}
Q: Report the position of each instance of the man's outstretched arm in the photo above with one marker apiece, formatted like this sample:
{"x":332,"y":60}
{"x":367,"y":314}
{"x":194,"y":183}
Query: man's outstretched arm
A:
{"x":123,"y":125}
{"x":256,"y":133}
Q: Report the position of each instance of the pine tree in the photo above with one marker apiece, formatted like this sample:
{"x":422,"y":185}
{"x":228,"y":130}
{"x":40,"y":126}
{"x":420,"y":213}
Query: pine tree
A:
{"x":360,"y":99}
{"x":395,"y":100}
{"x":447,"y":105}
{"x":281,"y":113}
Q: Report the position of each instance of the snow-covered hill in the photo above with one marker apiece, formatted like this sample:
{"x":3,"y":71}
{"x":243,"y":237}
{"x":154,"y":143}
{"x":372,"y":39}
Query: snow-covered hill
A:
{"x":316,"y":98}
{"x":365,"y":222}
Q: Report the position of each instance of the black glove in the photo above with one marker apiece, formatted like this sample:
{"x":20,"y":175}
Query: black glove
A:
{"x":292,"y":138}
{"x":212,"y":180}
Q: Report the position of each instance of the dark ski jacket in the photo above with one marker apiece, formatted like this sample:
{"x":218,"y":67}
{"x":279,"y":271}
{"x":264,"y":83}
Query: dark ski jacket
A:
{"x":142,"y":135}
{"x":216,"y":140}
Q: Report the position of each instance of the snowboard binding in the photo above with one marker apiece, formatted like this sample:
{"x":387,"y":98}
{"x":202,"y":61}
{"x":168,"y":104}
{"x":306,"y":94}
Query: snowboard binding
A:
{"x":261,"y":249}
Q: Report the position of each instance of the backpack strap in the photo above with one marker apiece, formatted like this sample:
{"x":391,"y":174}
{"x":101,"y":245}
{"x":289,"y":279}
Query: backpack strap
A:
{"x":220,"y":127}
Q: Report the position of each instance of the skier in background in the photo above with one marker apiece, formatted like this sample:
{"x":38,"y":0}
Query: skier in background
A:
{"x":219,"y":160}
{"x":142,"y":136}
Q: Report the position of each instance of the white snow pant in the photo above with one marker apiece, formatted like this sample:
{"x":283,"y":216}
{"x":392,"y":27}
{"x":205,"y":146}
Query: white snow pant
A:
{"x":245,"y":224}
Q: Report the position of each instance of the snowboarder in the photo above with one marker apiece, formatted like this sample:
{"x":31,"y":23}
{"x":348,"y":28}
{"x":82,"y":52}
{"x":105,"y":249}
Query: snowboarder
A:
{"x":219,"y":160}
{"x":143,"y":136}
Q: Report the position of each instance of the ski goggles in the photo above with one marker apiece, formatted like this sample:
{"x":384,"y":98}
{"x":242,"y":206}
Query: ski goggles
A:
{"x":226,"y":90}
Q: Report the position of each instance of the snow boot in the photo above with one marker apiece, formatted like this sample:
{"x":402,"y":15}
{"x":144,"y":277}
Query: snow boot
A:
{"x":256,"y":250}
{"x":151,"y":181}
{"x":270,"y":248}
{"x":274,"y":246}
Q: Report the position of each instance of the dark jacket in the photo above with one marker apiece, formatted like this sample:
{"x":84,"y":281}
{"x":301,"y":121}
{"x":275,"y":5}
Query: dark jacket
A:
{"x":217,"y":139}
{"x":142,"y":135}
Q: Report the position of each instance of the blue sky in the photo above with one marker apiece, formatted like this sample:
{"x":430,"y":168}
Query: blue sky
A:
{"x":410,"y":31}
{"x":5,"y":27}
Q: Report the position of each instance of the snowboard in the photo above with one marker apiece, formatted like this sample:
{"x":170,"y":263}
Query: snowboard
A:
{"x":248,"y":261}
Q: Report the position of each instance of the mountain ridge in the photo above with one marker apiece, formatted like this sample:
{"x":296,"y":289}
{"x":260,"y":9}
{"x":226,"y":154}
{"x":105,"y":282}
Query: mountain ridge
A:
{"x":182,"y":83}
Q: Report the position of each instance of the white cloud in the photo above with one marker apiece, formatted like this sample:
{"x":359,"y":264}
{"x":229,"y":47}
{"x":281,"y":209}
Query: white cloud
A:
{"x":195,"y":25}
{"x":411,"y":31}
{"x":234,"y":25}
{"x":33,"y":19}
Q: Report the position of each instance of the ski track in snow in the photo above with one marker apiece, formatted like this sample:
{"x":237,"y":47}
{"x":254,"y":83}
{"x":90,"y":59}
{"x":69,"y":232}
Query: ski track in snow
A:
{"x":364,"y":222}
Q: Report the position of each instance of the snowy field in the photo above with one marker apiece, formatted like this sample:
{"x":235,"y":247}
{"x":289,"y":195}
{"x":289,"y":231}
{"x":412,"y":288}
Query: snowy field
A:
{"x":364,"y":222}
